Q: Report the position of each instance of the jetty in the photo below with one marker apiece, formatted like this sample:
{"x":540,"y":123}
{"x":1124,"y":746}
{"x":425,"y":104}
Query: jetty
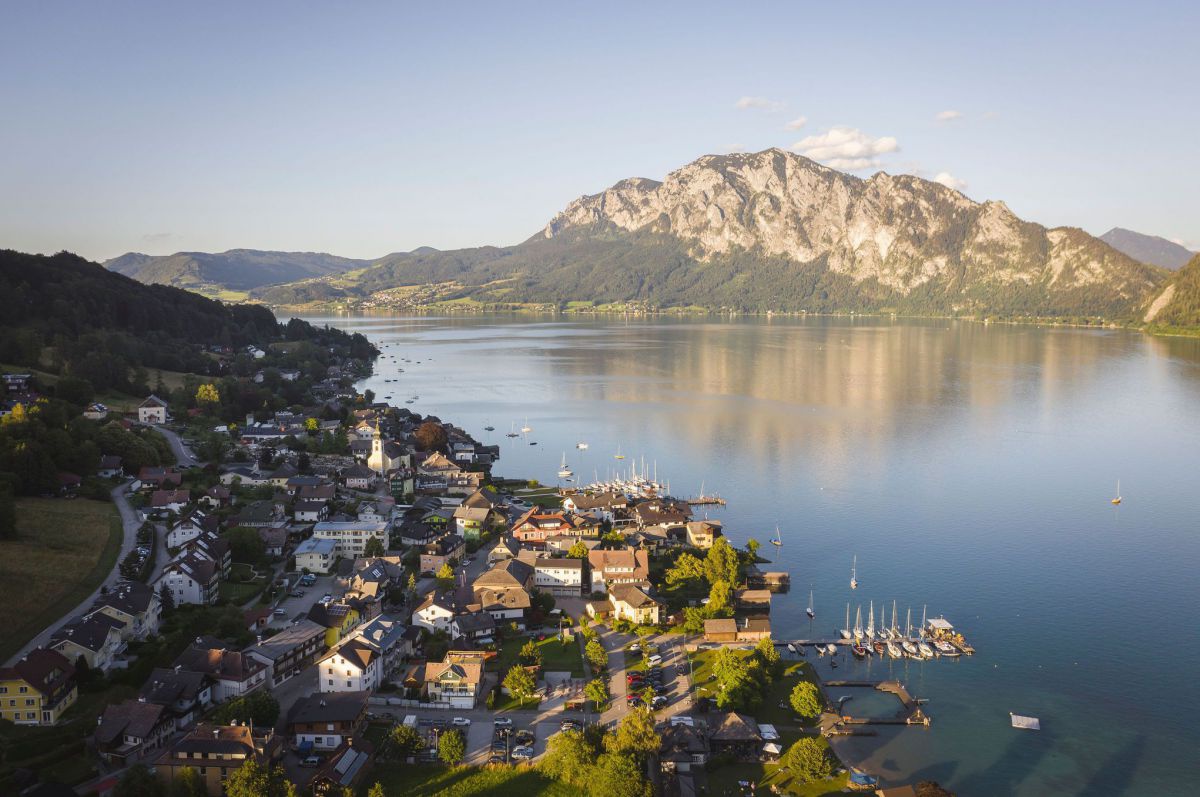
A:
{"x":706,"y":500}
{"x":909,"y":714}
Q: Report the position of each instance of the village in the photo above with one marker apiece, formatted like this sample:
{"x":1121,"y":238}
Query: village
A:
{"x":357,"y":617}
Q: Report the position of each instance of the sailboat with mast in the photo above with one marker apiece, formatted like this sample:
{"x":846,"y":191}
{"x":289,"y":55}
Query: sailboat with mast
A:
{"x":809,"y":610}
{"x":854,"y":573}
{"x":618,"y":455}
{"x":512,"y":431}
{"x":563,"y":471}
{"x":907,"y":644}
{"x":871,"y":622}
{"x":858,"y":629}
{"x":778,"y":540}
{"x":526,"y":429}
{"x":1117,"y":498}
{"x":845,"y":632}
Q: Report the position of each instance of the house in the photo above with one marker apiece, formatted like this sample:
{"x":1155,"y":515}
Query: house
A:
{"x":754,"y":629}
{"x":132,"y":729}
{"x":152,"y":410}
{"x":289,"y":651}
{"x":622,"y":566}
{"x":96,"y":637}
{"x":602,"y":507}
{"x":184,"y":695}
{"x":170,"y":500}
{"x":416,"y":532}
{"x":110,"y":467}
{"x":559,"y":577}
{"x":505,"y":548}
{"x":216,"y":497}
{"x":701,"y":533}
{"x":311,"y":511}
{"x":752,"y":601}
{"x":374,"y":576}
{"x":338,"y":619}
{"x":435,"y":613}
{"x":213,"y":548}
{"x":316,"y":556}
{"x":536,"y":525}
{"x":189,"y":527}
{"x":736,"y":735}
{"x":258,"y":514}
{"x":156,"y":478}
{"x":386,"y":456}
{"x":191,"y":579}
{"x":683,"y":748}
{"x":370,"y":512}
{"x":351,"y":537}
{"x":136,"y":606}
{"x":215,"y":751}
{"x":324,"y":721}
{"x":322,"y":492}
{"x":456,"y":683}
{"x":720,"y":629}
{"x":274,"y":540}
{"x":390,"y":638}
{"x":666,"y":514}
{"x":630,"y":602}
{"x":353,"y":666}
{"x":346,"y":770}
{"x":561,"y":544}
{"x":233,"y":673}
{"x":38,"y":688}
{"x":477,"y":626}
{"x":247,"y":477}
{"x":440,"y":552}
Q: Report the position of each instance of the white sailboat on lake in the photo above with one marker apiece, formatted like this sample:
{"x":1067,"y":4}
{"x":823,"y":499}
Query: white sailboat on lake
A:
{"x":778,"y":539}
{"x":563,"y":471}
{"x":854,"y":573}
{"x":811,"y":615}
{"x":845,"y":632}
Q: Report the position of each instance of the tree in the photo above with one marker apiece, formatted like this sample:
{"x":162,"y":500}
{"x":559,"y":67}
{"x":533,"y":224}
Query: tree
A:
{"x":752,"y":546}
{"x":721,"y":563}
{"x":687,"y":568}
{"x":615,"y":537}
{"x":303,"y":462}
{"x":805,"y":699}
{"x":531,"y":655}
{"x":374,"y":547}
{"x":138,"y":781}
{"x":452,"y":747}
{"x":635,"y":735}
{"x":768,"y":656}
{"x":312,"y":425}
{"x":207,"y":396}
{"x":405,"y":740}
{"x":808,"y":759}
{"x":253,"y":779}
{"x":246,"y":545}
{"x":617,"y":776}
{"x":568,"y":758}
{"x":720,"y":599}
{"x":693,"y":619}
{"x":735,"y":680}
{"x":445,"y":576}
{"x":259,"y":707}
{"x":519,"y":682}
{"x":578,"y":551}
{"x":187,"y":783}
{"x":431,"y":436}
{"x":595,"y":654}
{"x":166,"y":599}
{"x":412,"y":582}
{"x":596,"y":691}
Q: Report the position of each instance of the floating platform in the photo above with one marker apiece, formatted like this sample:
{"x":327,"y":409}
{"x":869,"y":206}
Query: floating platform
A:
{"x":1025,"y":723}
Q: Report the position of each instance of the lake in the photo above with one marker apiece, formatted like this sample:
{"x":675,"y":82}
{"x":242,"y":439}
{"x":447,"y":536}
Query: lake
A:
{"x":968,"y":467}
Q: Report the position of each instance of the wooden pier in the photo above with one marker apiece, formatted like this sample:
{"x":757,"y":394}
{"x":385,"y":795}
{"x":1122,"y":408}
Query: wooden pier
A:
{"x":706,"y":500}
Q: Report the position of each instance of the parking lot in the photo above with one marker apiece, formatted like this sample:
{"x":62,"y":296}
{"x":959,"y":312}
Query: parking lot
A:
{"x":294,"y":608}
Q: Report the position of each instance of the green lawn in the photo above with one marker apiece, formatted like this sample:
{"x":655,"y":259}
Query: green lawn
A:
{"x":428,"y":780}
{"x":779,"y":692}
{"x":724,"y":780}
{"x":64,"y":549}
{"x":556,"y":656}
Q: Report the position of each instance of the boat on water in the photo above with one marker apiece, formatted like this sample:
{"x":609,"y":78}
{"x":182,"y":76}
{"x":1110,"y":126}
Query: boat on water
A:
{"x":582,"y":446}
{"x":871,"y":622}
{"x":777,"y":540}
{"x":533,"y":442}
{"x":1117,"y":497}
{"x":563,"y":471}
{"x":512,"y":432}
{"x":809,"y":610}
{"x":944,"y":648}
{"x":894,"y":650}
{"x":526,"y":429}
{"x":791,"y":648}
{"x":845,"y":632}
{"x":859,"y":651}
{"x":910,"y":649}
{"x":878,"y":647}
{"x":833,"y":663}
{"x":831,"y":648}
{"x":618,"y":455}
{"x":489,"y":428}
{"x":858,"y":629}
{"x":926,"y":651}
{"x":387,"y":397}
{"x":854,"y":573}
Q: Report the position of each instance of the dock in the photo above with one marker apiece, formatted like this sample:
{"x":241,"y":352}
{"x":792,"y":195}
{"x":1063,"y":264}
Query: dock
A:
{"x":909,"y":714}
{"x":706,"y":500}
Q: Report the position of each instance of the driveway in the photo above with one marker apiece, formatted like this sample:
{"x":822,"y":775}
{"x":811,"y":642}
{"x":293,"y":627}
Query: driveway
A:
{"x":298,"y":607}
{"x":129,"y":524}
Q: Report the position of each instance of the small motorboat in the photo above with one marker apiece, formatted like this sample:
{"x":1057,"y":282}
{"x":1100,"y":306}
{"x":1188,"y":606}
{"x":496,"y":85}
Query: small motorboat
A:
{"x":859,"y":651}
{"x":581,"y":446}
{"x":946,"y":649}
{"x":820,"y":650}
{"x":791,"y":648}
{"x":831,"y":649}
{"x":489,"y":428}
{"x":533,"y":442}
{"x":878,"y":647}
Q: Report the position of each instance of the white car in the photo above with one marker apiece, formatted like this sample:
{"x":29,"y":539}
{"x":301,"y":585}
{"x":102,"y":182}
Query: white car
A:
{"x":655,"y":659}
{"x":522,"y":753}
{"x":502,"y":722}
{"x":327,"y":599}
{"x":460,"y":721}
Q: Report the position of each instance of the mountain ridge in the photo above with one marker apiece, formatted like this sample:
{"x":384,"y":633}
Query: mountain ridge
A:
{"x":1152,"y":249}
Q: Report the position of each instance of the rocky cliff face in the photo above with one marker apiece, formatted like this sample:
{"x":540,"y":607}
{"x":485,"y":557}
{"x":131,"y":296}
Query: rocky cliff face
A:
{"x":901,"y":232}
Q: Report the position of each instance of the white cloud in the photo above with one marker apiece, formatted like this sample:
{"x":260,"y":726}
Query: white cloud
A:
{"x":948,"y":116}
{"x":758,"y":104}
{"x":950,"y":181}
{"x":846,"y":148}
{"x":797,"y":123}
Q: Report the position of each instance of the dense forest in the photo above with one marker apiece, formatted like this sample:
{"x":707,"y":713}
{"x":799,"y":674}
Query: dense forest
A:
{"x":1183,"y":310}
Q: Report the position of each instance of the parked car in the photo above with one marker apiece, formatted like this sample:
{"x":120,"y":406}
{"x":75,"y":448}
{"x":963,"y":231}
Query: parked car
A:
{"x":502,"y":722}
{"x":525,"y":737}
{"x":522,"y":753}
{"x":658,"y":702}
{"x":496,"y":759}
{"x":311,"y":761}
{"x":326,"y":598}
{"x":460,"y":721}
{"x":654,"y":659}
{"x":279,"y":613}
{"x":570,"y":725}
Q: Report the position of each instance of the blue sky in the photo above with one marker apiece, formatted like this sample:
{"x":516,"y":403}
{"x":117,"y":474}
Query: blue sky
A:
{"x":365,"y":128}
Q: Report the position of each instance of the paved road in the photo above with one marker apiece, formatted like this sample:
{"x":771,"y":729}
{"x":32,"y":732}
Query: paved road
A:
{"x":183,"y":456}
{"x":130,"y":523}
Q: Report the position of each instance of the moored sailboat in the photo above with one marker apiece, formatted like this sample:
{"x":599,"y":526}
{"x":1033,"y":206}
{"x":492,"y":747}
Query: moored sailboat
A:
{"x":809,"y":610}
{"x":778,"y":540}
{"x":845,"y":632}
{"x":1117,"y":498}
{"x":854,"y":573}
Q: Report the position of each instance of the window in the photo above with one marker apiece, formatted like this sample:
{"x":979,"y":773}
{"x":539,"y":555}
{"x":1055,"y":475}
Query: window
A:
{"x":23,"y":689}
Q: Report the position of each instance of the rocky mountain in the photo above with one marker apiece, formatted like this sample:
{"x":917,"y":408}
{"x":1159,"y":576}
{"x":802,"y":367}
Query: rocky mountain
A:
{"x":1147,"y":248}
{"x":234,"y":270}
{"x":1178,"y":304}
{"x":776,"y":231}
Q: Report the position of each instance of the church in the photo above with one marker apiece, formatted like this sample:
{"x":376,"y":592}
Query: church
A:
{"x":385,"y":457}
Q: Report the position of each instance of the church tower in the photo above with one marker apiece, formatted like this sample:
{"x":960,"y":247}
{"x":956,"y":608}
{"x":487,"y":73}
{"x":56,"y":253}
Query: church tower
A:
{"x":377,"y":461}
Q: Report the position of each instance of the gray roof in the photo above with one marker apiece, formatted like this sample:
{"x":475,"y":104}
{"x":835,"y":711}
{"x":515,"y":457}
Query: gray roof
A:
{"x":329,"y":707}
{"x":281,"y":644}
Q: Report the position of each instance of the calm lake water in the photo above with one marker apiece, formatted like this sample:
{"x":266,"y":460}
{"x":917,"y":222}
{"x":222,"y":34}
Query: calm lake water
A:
{"x":968,"y":467}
